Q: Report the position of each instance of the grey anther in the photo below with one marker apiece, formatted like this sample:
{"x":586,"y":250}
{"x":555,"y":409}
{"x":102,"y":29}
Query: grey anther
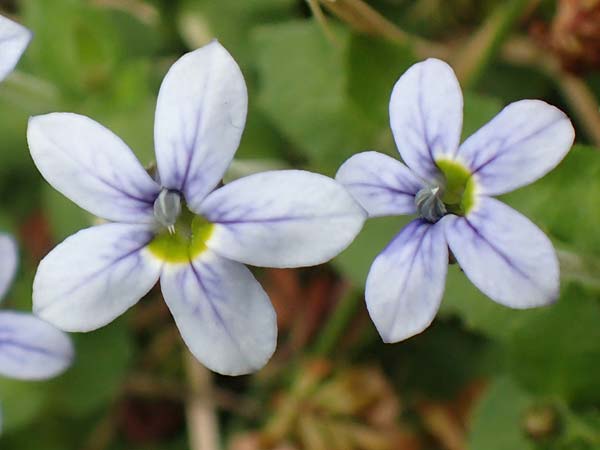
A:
{"x":167,"y":208}
{"x":429,"y":204}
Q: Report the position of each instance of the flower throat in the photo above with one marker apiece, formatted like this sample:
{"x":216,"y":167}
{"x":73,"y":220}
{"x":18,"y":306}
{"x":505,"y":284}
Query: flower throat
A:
{"x":454,"y":195}
{"x":184,"y":234}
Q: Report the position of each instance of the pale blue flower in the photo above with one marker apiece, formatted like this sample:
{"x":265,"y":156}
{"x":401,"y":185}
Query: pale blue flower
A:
{"x":181,"y":227}
{"x":450,"y":188}
{"x":30,"y":349}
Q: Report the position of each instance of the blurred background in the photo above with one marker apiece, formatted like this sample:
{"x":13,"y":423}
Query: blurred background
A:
{"x":319,"y":74}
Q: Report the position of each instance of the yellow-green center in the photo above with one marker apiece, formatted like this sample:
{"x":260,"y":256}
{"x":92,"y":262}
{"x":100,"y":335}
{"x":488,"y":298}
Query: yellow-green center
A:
{"x":459,"y":187}
{"x":183,"y":239}
{"x":454,"y":193}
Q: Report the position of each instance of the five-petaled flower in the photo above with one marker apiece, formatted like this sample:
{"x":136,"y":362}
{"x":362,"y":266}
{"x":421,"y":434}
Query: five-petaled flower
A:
{"x":30,"y":349}
{"x":449,"y":186}
{"x":178,"y":228}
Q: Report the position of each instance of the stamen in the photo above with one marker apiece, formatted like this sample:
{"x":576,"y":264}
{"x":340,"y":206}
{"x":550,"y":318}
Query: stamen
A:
{"x":429,"y":204}
{"x":167,"y":208}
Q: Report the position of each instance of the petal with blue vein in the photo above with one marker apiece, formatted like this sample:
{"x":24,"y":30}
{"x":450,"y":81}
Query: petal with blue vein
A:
{"x":521,"y":144}
{"x":286,"y":218}
{"x":94,"y":276}
{"x":200,"y":118}
{"x":224,"y":315}
{"x":93,"y":167}
{"x":406,"y":282}
{"x":381,"y":184}
{"x":426,"y":116}
{"x":505,"y":255}
{"x":31,"y":349}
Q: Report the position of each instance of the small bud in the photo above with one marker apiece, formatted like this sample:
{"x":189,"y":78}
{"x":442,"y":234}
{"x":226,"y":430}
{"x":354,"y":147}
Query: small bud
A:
{"x":429,"y":204}
{"x":167,"y":208}
{"x":541,"y":422}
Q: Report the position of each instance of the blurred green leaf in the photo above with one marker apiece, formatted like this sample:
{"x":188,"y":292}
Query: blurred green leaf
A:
{"x":21,"y":402}
{"x":303,"y":92}
{"x":374,"y":66}
{"x":497,"y":420}
{"x":102,"y":360}
{"x":555,"y":351}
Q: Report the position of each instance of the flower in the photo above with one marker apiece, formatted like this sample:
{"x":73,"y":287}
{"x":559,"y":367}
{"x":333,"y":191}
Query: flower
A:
{"x":449,"y":187}
{"x":179,"y":228}
{"x":30,"y":349}
{"x":14,"y":39}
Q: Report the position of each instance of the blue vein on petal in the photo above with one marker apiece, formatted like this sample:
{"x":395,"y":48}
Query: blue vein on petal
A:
{"x":502,"y":141}
{"x":149,"y":201}
{"x":417,"y":224}
{"x":189,"y":147}
{"x":214,"y":308}
{"x":502,"y":255}
{"x":98,"y":272}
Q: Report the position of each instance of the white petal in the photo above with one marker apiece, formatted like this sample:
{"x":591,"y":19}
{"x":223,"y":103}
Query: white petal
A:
{"x":89,"y":164}
{"x":382,"y":185}
{"x":287,"y":218}
{"x":9,"y":257}
{"x":14,"y":39}
{"x":426,"y":115}
{"x":200,"y":117}
{"x":505,"y":255}
{"x":32,"y":349}
{"x":222,"y":312}
{"x":406,"y":282}
{"x":94,"y":276}
{"x":522,"y":143}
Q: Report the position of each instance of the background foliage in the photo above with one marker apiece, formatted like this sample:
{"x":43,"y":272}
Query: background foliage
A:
{"x":483,"y":377}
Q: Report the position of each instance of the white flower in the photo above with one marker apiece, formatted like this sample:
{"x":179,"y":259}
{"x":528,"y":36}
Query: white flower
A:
{"x":182,"y":228}
{"x":30,"y":349}
{"x":450,"y":188}
{"x":14,"y":39}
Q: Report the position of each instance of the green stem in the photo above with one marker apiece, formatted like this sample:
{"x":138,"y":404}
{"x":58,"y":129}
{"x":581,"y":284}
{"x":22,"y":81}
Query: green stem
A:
{"x":479,"y":51}
{"x":344,"y":312}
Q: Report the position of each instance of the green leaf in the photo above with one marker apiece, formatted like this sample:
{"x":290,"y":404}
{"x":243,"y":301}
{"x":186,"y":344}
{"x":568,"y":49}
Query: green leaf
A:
{"x":21,"y":402}
{"x":102,"y":360}
{"x":371,"y":77}
{"x":497,"y":420}
{"x":305,"y":95}
{"x":556,"y":350}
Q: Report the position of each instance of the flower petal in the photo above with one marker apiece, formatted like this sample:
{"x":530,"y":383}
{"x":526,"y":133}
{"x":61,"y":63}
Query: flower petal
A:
{"x":382,"y":185}
{"x":287,"y":218}
{"x":505,"y":255}
{"x":426,"y":115}
{"x":32,"y":349}
{"x":224,"y":315}
{"x":406,"y":282}
{"x":522,"y":143}
{"x":200,"y":117}
{"x":9,"y":257}
{"x":14,"y":39}
{"x":94,"y":276}
{"x":89,"y":164}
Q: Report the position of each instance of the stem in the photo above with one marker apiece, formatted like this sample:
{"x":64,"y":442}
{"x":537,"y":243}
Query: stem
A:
{"x":200,"y":409}
{"x":344,"y":312}
{"x":477,"y":53}
{"x":317,"y":12}
{"x":363,"y":18}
